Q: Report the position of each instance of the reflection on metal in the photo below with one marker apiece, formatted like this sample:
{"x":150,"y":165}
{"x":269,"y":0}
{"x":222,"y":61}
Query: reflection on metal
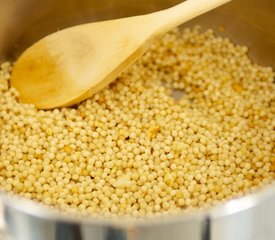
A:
{"x":206,"y":233}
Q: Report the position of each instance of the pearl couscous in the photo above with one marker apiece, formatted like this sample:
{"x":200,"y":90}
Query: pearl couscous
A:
{"x":135,"y":150}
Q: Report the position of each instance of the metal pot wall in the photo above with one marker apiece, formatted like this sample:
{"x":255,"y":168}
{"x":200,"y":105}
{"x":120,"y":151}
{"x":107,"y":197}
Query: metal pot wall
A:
{"x":249,"y":22}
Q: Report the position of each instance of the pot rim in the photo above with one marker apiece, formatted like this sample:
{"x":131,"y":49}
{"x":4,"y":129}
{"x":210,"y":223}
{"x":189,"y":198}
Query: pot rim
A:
{"x":35,"y":209}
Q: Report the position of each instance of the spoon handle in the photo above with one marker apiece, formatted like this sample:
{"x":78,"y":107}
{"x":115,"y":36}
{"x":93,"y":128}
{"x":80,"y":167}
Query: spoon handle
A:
{"x":185,"y":11}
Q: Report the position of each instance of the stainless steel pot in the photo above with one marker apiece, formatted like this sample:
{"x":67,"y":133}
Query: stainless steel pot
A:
{"x":249,"y":22}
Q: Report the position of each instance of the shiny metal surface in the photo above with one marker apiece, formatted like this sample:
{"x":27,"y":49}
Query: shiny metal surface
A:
{"x":249,"y":22}
{"x":249,"y":218}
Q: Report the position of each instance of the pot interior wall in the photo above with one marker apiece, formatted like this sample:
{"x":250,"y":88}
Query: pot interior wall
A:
{"x":248,"y":22}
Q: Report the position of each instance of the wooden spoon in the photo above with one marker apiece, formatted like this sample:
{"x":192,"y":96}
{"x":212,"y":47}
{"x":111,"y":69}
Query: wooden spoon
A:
{"x":71,"y":65}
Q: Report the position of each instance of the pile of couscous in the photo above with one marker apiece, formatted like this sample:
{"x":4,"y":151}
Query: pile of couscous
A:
{"x":134,"y":149}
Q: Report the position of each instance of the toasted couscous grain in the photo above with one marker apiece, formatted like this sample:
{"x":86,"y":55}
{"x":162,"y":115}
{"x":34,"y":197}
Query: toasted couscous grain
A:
{"x":135,"y":150}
